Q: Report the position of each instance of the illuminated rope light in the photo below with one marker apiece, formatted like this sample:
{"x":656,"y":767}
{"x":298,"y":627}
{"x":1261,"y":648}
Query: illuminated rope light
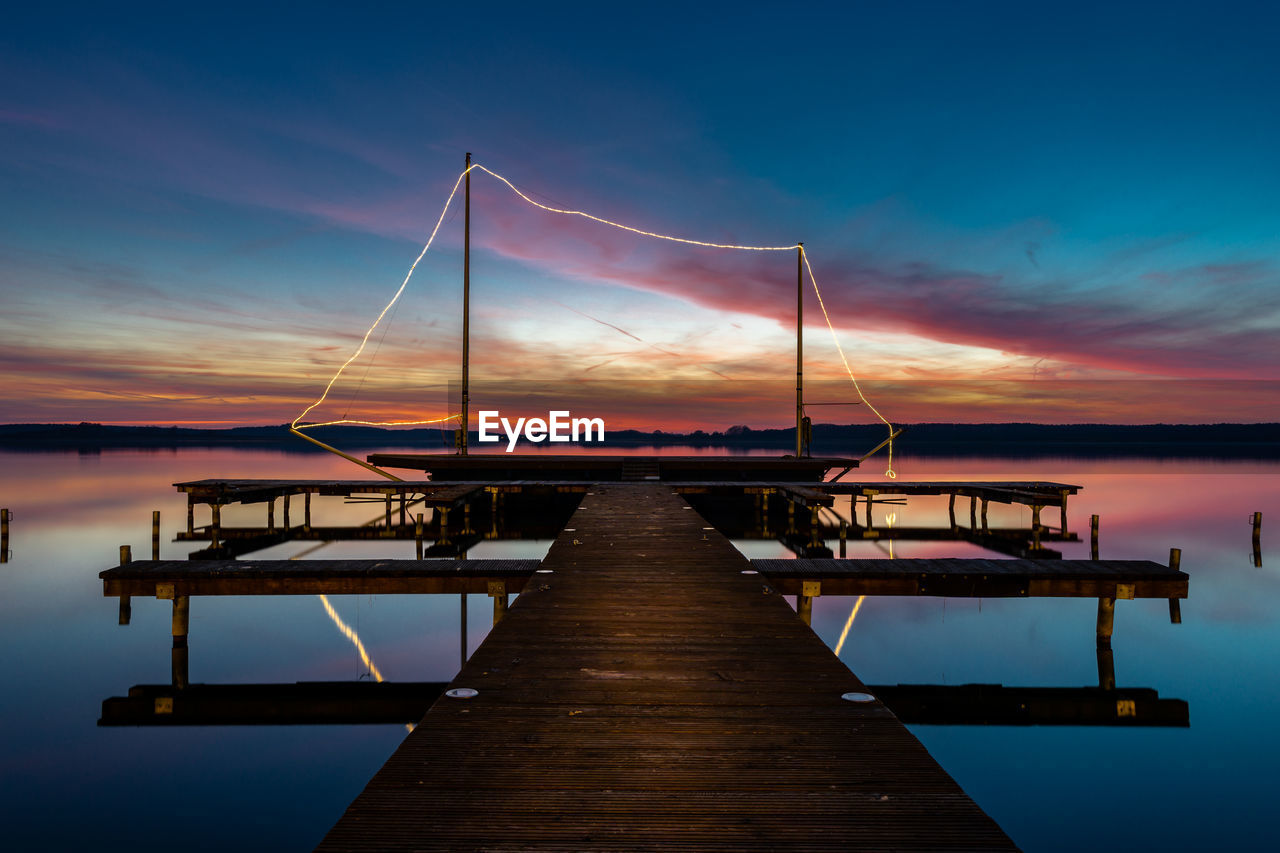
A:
{"x":836,"y":338}
{"x":566,"y":212}
{"x":350,"y":634}
{"x":853,"y":614}
{"x":365,"y":340}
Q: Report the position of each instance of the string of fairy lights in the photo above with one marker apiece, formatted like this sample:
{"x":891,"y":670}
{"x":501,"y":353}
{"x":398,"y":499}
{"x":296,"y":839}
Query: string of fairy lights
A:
{"x":297,"y":426}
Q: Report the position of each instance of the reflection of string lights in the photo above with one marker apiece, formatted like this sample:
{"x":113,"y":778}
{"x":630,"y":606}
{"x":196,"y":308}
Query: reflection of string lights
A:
{"x":350,"y":634}
{"x":853,"y":614}
{"x":434,"y":231}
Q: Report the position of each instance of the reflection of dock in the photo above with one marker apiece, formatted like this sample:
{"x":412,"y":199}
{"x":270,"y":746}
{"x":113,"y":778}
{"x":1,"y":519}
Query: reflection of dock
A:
{"x":654,"y":695}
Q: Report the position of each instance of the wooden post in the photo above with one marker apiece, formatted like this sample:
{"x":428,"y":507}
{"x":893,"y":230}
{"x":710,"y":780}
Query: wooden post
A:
{"x":443,"y":512}
{"x":498,"y":592}
{"x":799,"y":348}
{"x":417,"y":532}
{"x":155,"y":534}
{"x":181,"y":619}
{"x":1106,"y":621}
{"x":126,"y":604}
{"x":4,"y":535}
{"x":1093,"y":537}
{"x":869,"y":524}
{"x":466,"y":519}
{"x":844,"y":535}
{"x":791,"y":517}
{"x":388,"y":516}
{"x":215,"y":524}
{"x":973,"y":512}
{"x":191,"y":515}
{"x":465,"y":420}
{"x":1035,"y":526}
{"x":306,"y":512}
{"x":463,"y":623}
{"x":286,"y":510}
{"x":764,"y":513}
{"x":271,"y":514}
{"x":951,"y":510}
{"x":809,"y":590}
{"x":984,"y":514}
{"x":1257,"y":539}
{"x":1106,"y":668}
{"x":402,"y":509}
{"x":815,"y":527}
{"x":1175,"y":606}
{"x":1063,"y":516}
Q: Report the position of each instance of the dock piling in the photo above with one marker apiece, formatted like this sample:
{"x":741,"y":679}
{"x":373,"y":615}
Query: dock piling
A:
{"x":1093,"y":537}
{"x":126,"y":604}
{"x":1175,"y":606}
{"x":286,"y":510}
{"x":271,"y":514}
{"x":1257,"y":540}
{"x":155,"y":534}
{"x":306,"y":512}
{"x":181,"y":620}
{"x":809,"y":590}
{"x":1106,"y":621}
{"x":498,"y":592}
{"x":1106,"y":668}
{"x":214,"y":525}
{"x":4,"y":535}
{"x":844,"y":536}
{"x":417,"y":532}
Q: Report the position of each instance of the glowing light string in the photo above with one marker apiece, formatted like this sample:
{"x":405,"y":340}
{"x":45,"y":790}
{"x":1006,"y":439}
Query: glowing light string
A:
{"x":853,"y":614}
{"x":836,"y":338}
{"x":566,"y":212}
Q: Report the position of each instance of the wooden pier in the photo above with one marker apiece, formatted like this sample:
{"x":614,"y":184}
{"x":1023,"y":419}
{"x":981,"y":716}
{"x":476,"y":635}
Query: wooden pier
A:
{"x":649,"y":693}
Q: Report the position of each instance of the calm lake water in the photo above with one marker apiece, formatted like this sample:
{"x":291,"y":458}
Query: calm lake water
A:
{"x":66,"y":783}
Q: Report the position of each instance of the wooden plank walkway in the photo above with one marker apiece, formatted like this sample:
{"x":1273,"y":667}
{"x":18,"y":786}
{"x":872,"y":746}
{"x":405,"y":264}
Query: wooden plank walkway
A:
{"x":951,"y":577}
{"x":649,"y":695}
{"x":168,"y":578}
{"x":978,"y":577}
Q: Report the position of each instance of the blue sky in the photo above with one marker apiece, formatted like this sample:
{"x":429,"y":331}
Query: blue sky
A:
{"x":204,"y":210}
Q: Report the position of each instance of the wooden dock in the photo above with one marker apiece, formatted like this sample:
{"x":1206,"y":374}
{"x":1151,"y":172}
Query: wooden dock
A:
{"x":648,"y":693}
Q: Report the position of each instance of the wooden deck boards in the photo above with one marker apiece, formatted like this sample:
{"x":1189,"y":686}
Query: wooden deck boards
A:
{"x":649,"y":695}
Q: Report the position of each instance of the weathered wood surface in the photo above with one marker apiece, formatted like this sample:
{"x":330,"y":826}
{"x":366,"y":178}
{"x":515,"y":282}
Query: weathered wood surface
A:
{"x":313,"y":577}
{"x":978,"y":577}
{"x":304,"y":703}
{"x":649,"y":695}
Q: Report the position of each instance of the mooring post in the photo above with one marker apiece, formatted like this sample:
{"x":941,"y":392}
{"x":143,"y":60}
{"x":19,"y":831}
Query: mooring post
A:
{"x":1106,"y":621}
{"x":388,"y":515}
{"x":498,"y":592}
{"x":984,"y":514}
{"x":271,"y":514}
{"x":973,"y":512}
{"x":181,"y":619}
{"x":155,"y":534}
{"x":1106,"y":668}
{"x":1175,"y":606}
{"x":1063,"y":493}
{"x":215,"y":524}
{"x":844,"y":535}
{"x":868,"y":498}
{"x":306,"y":512}
{"x":417,"y":534}
{"x":191,"y":515}
{"x":403,"y":508}
{"x":126,"y":604}
{"x":1093,"y":537}
{"x":286,"y":510}
{"x":951,"y":510}
{"x":1035,"y":526}
{"x":4,"y":535}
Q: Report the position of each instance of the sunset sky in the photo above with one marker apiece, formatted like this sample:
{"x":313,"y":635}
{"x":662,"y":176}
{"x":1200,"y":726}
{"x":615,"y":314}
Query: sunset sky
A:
{"x":1056,"y":212}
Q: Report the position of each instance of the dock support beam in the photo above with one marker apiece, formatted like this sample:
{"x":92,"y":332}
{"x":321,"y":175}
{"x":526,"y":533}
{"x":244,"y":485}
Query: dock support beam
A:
{"x":1106,"y":621}
{"x":286,"y":511}
{"x":844,"y":536}
{"x":417,"y":533}
{"x":1175,"y":606}
{"x":1093,"y":537}
{"x":155,"y":534}
{"x":126,"y":603}
{"x":1257,"y":540}
{"x":306,"y":512}
{"x":191,"y":515}
{"x":181,"y":619}
{"x":215,"y":524}
{"x":809,"y":590}
{"x":1035,"y":526}
{"x":951,"y":510}
{"x":984,"y":514}
{"x":271,"y":514}
{"x":498,"y":592}
{"x":1106,"y":668}
{"x":4,"y":535}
